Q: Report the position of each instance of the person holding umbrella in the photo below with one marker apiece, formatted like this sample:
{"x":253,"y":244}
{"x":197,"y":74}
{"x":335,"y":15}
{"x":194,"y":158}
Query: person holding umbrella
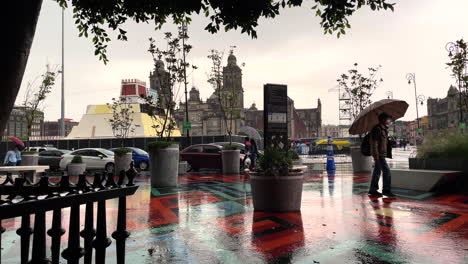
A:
{"x":376,"y":118}
{"x":379,"y":151}
{"x":10,"y":157}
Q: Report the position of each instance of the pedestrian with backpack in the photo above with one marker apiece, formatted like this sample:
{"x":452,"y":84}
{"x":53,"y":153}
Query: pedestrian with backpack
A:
{"x":379,"y":150}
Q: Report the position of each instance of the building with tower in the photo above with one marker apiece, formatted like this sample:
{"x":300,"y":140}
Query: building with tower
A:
{"x":207,"y":120}
{"x":160,"y":82}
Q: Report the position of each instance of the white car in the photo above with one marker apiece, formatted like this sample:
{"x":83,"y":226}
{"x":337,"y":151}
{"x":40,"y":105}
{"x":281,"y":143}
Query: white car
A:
{"x":95,"y":159}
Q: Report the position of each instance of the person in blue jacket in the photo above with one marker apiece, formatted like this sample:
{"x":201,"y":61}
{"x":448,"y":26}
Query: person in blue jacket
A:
{"x":10,"y":157}
{"x":18,"y":156}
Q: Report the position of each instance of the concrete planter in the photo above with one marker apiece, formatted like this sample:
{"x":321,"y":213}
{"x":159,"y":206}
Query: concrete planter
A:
{"x":122,"y":162}
{"x":75,"y":169}
{"x":452,"y":164}
{"x":230,"y":159}
{"x":29,"y":159}
{"x":361,"y":163}
{"x":277,"y":194}
{"x":164,"y":166}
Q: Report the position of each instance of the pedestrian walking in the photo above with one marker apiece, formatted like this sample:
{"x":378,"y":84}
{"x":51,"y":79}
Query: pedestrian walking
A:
{"x":18,"y":156}
{"x":10,"y":157}
{"x":379,"y":144}
{"x":253,"y":152}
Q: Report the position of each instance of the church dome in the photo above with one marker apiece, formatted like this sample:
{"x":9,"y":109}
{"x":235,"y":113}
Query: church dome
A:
{"x":159,"y":65}
{"x":232,"y":60}
{"x":452,"y":90}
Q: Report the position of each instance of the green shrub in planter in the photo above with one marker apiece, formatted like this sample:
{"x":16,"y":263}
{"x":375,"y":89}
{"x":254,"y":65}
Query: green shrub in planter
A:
{"x":160,"y":144}
{"x":231,"y":147}
{"x":445,"y":146}
{"x":275,"y":162}
{"x":293,"y":154}
{"x":122,"y":151}
{"x":77,"y":159}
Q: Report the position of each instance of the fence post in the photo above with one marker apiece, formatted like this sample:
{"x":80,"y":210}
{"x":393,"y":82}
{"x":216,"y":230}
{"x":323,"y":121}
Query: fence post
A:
{"x":121,"y":234}
{"x":25,"y":232}
{"x":74,"y":252}
{"x":39,"y":239}
{"x":102,"y":241}
{"x":56,"y":232}
{"x":88,"y":233}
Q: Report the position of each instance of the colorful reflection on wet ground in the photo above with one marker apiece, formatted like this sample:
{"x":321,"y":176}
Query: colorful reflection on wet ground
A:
{"x":210,"y":219}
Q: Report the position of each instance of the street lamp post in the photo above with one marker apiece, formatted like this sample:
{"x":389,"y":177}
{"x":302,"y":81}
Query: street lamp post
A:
{"x":453,"y":48}
{"x":184,"y":31}
{"x":411,"y":77}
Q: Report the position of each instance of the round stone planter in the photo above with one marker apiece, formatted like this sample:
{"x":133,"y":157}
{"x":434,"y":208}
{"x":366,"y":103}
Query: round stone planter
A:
{"x":164,"y":166}
{"x":281,"y":194}
{"x":29,"y":159}
{"x":297,"y":162}
{"x":75,"y":169}
{"x":231,"y":161}
{"x":361,"y":163}
{"x":122,"y":162}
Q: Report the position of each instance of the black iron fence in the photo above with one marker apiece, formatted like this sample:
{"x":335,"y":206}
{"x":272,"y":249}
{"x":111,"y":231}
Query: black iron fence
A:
{"x":24,"y":200}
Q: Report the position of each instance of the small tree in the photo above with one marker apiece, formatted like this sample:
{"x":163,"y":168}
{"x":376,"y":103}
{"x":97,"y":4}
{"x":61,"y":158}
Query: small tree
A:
{"x":122,"y":118}
{"x":228,"y":97}
{"x":358,"y":89}
{"x":35,"y":97}
{"x":172,"y":56}
{"x":458,"y":54}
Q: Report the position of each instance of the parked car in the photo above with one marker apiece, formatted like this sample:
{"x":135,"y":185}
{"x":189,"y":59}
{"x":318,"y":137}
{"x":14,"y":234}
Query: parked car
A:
{"x":52,"y":157}
{"x":204,"y":156}
{"x":139,"y":156}
{"x":40,"y":149}
{"x":241,"y":146}
{"x":95,"y":159}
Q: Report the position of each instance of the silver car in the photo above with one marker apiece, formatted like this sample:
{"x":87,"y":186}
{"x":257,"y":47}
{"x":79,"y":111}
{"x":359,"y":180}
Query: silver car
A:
{"x":94,"y":158}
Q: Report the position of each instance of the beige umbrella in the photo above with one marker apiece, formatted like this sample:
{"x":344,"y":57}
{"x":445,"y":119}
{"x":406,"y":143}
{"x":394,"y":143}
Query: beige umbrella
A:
{"x":368,"y":117}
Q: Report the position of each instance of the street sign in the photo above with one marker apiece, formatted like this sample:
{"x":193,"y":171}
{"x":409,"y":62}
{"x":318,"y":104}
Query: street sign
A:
{"x":419,"y":130}
{"x":275,"y":121}
{"x":187,"y":126}
{"x":463,"y":125}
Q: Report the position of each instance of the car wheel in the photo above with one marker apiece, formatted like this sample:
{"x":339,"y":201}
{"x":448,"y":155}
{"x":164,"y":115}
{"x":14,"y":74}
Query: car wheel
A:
{"x":143,"y":165}
{"x":110,"y":167}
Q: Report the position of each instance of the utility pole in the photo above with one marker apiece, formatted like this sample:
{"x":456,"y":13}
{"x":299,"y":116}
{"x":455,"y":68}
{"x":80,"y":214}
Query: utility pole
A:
{"x":62,"y":119}
{"x":184,"y":32}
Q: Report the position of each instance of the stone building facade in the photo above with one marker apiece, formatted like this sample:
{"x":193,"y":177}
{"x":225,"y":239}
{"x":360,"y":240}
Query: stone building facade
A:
{"x":18,"y":125}
{"x":445,"y":113}
{"x":52,"y":128}
{"x":207,"y":120}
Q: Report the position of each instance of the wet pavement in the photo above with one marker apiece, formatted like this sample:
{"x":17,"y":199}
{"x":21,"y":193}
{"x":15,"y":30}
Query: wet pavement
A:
{"x":209,"y":218}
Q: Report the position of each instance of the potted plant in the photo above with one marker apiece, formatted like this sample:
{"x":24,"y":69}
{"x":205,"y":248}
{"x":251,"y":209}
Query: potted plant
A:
{"x":296,"y":160}
{"x":229,"y":109}
{"x":164,"y":153}
{"x":122,"y":159}
{"x":276,"y":187}
{"x":29,"y":158}
{"x":230,"y":156}
{"x":164,"y":158}
{"x":76,"y":166}
{"x":357,"y":91}
{"x":122,"y":125}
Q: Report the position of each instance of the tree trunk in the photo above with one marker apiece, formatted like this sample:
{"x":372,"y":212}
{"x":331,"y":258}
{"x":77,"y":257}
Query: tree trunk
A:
{"x":19,"y":19}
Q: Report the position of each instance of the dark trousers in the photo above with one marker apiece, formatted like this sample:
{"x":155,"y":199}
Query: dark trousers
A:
{"x":381,"y":166}
{"x":18,"y":163}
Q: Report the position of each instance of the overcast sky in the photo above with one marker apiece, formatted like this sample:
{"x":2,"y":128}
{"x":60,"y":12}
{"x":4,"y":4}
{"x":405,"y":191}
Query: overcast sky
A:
{"x":290,"y":49}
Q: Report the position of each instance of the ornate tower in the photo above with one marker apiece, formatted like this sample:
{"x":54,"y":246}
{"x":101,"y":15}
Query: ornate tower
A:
{"x":159,"y":81}
{"x":232,"y":79}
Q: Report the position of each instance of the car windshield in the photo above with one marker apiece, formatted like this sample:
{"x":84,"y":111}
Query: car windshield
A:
{"x":105,"y":151}
{"x":140,"y":151}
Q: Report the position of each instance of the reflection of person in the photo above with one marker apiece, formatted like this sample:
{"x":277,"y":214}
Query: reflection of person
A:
{"x":379,"y":151}
{"x":18,"y":156}
{"x":10,"y":158}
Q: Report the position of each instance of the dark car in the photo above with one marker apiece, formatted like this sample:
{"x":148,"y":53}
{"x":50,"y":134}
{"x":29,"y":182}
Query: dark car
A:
{"x":51,"y":157}
{"x":139,"y":156}
{"x":204,"y":156}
